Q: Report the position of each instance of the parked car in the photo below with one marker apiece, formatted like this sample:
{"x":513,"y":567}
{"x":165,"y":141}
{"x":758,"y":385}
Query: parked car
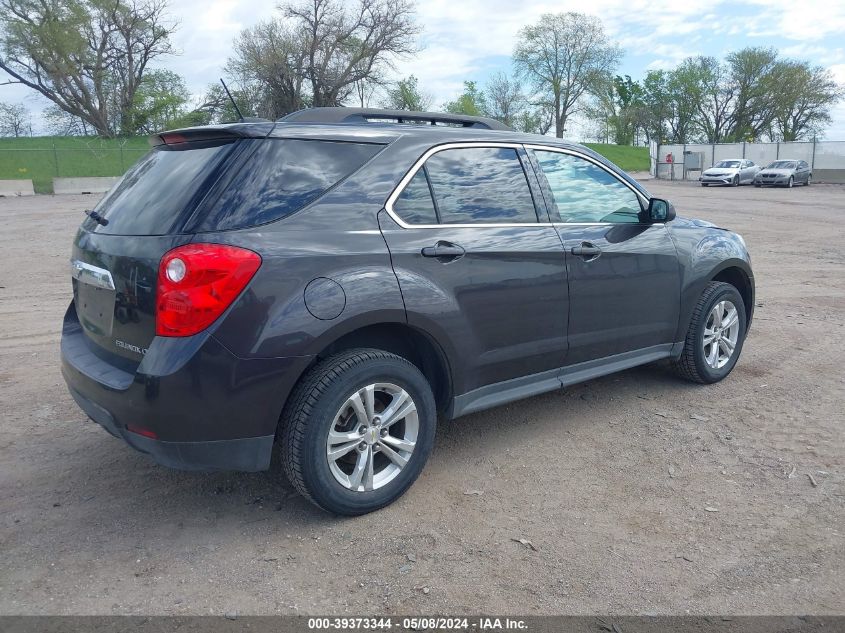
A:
{"x":337,"y":281}
{"x":734,"y":172}
{"x":785,"y":173}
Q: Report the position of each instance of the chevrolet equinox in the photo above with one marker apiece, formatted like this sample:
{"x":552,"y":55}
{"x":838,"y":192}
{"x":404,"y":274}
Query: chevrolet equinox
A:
{"x":338,"y":280}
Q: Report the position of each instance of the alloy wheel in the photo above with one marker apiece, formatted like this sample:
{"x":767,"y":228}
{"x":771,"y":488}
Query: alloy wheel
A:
{"x":721,"y":332}
{"x":372,"y":437}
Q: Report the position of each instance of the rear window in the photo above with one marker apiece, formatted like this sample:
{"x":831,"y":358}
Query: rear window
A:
{"x":283,"y":176}
{"x":156,"y":195}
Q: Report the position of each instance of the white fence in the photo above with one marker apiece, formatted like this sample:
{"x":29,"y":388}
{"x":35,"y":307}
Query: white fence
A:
{"x":826,"y":158}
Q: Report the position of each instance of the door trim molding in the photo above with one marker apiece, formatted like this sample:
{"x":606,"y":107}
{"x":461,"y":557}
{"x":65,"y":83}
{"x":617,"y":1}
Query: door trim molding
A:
{"x":514,"y":389}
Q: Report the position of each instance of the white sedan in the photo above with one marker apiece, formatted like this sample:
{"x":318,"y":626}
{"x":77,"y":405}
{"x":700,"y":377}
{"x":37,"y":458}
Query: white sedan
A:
{"x":734,"y":172}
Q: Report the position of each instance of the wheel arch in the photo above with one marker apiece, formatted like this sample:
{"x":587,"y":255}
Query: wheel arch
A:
{"x":404,"y":340}
{"x":739,"y":278}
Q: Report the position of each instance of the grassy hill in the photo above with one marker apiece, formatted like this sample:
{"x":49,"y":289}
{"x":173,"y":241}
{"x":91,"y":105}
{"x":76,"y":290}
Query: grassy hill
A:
{"x":624,"y":156}
{"x":45,"y":157}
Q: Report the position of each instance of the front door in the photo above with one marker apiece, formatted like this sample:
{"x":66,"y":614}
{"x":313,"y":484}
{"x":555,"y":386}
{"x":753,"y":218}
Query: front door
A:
{"x":479,"y":264}
{"x":624,"y":278}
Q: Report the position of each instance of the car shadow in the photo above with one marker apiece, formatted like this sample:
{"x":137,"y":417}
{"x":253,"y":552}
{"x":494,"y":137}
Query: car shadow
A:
{"x":110,"y":483}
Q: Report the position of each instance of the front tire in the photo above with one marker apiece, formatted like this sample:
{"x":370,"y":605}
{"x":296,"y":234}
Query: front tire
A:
{"x":357,"y":431}
{"x":791,"y":183}
{"x":715,"y":336}
{"x":704,"y":184}
{"x":735,"y":182}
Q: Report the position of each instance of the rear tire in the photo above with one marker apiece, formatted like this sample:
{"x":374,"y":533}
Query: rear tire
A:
{"x":336,"y":408}
{"x":809,"y":180}
{"x":708,"y":363}
{"x":704,"y":184}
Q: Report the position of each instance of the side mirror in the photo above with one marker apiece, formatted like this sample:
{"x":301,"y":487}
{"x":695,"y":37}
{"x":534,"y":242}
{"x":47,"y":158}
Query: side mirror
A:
{"x":660,"y":210}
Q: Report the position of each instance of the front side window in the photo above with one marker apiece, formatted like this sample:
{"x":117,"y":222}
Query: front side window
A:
{"x":583,"y":192}
{"x":480,"y":185}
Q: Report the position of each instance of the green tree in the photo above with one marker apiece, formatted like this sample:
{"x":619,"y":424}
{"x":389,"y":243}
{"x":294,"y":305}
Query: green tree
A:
{"x":803,"y":100}
{"x":753,"y":75}
{"x":160,"y":103}
{"x":685,"y":91}
{"x":563,"y":57}
{"x":471,"y":101}
{"x":216,"y":107}
{"x":615,"y":106}
{"x":405,"y":94}
{"x":88,"y":57}
{"x":655,"y":109}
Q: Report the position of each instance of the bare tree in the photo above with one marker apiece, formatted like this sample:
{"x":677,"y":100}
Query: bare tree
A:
{"x":86,"y":56}
{"x":60,"y":123}
{"x":268,"y":65}
{"x":348,"y":45}
{"x":320,"y":53}
{"x":505,"y":98}
{"x":14,"y":120}
{"x":563,"y":57}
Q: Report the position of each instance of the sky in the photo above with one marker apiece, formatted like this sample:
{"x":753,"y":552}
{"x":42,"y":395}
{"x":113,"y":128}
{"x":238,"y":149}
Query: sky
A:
{"x":472,"y":39}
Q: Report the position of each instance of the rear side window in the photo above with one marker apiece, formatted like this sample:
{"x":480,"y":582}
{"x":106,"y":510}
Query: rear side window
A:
{"x":480,"y":185}
{"x":283,"y":176}
{"x":156,"y":195}
{"x":414,"y":205}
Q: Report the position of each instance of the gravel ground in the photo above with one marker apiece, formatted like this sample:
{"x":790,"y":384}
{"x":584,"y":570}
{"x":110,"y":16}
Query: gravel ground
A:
{"x":639,"y":493}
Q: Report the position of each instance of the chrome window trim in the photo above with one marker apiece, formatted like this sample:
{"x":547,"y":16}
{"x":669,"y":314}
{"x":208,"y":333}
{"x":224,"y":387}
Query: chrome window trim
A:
{"x":388,"y":206}
{"x":397,"y":191}
{"x":590,"y":159}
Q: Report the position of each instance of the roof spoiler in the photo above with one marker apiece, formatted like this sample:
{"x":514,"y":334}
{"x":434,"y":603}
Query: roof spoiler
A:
{"x":370,"y":115}
{"x":205,"y":133}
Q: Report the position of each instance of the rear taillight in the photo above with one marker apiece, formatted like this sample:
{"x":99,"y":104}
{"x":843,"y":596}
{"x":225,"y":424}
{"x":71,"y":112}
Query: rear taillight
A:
{"x":197,"y":282}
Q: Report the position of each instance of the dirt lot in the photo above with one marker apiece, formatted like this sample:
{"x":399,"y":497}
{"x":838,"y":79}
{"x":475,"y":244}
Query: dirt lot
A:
{"x":610,"y":480}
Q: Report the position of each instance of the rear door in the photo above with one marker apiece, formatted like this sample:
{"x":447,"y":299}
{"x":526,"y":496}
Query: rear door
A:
{"x":624,"y":277}
{"x":479,"y":264}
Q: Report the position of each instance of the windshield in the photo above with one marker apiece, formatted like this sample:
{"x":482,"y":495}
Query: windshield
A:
{"x":727,"y":164}
{"x":782,"y":164}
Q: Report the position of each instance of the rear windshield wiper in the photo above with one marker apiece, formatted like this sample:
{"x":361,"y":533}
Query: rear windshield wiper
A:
{"x":96,"y":217}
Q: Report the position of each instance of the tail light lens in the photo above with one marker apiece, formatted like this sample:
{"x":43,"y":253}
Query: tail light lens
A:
{"x":197,"y":282}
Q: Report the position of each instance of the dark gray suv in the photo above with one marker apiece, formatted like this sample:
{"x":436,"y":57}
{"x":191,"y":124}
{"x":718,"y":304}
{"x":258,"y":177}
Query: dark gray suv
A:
{"x":337,"y":281}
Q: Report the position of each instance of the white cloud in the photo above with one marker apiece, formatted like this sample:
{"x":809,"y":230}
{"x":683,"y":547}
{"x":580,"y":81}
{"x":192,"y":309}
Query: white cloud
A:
{"x":465,"y":39}
{"x":808,"y":20}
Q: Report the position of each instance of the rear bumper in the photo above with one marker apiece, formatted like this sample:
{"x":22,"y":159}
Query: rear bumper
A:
{"x":245,"y":454}
{"x":198,"y":406}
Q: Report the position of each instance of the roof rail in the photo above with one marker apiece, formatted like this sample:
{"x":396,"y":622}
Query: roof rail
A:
{"x":371,"y":115}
